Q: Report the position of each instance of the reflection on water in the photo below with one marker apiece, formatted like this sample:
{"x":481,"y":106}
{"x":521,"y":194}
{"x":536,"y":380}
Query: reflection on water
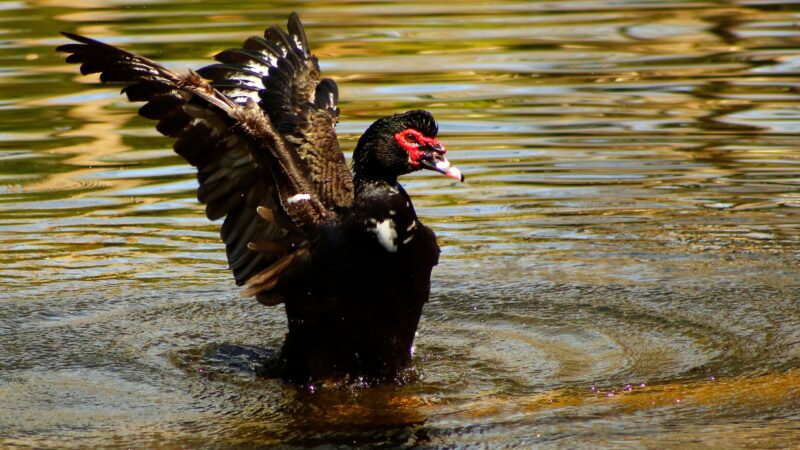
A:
{"x":621,"y":268}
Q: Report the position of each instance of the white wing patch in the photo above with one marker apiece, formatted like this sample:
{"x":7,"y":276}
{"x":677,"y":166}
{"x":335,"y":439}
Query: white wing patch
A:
{"x":386,"y":234}
{"x":236,"y":94}
{"x":298,"y":198}
{"x":272,"y":61}
{"x":297,"y":42}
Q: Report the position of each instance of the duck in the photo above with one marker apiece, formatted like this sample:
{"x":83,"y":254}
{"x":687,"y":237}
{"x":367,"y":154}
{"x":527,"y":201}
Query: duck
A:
{"x":341,"y":248}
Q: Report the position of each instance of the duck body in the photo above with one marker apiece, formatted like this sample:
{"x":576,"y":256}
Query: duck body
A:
{"x":343,"y":250}
{"x":369,"y":278}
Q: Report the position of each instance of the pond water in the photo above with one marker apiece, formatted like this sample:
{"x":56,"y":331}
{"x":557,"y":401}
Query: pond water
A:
{"x":620,"y":269}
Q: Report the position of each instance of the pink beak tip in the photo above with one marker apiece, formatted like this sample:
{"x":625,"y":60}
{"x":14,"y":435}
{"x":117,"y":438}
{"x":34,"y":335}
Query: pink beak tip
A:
{"x":455,"y":174}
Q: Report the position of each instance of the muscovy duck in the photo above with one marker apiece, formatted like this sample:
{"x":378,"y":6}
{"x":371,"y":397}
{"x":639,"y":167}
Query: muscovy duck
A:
{"x":344,"y":252}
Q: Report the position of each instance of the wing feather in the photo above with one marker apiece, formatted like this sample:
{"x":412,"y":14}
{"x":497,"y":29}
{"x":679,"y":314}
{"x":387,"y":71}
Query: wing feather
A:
{"x":280,"y":73}
{"x":243,"y":163}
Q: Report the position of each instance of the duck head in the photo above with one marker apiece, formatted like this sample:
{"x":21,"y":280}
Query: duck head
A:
{"x":401,"y":144}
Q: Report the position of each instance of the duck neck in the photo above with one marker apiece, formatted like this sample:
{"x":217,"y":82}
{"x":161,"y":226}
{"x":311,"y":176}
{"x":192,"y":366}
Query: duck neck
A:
{"x":363,"y":181}
{"x":367,"y":170}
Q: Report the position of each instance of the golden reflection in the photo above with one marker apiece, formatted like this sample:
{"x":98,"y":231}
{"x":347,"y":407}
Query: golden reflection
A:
{"x":379,"y":406}
{"x":87,"y":4}
{"x":100,"y":125}
{"x":761,"y":391}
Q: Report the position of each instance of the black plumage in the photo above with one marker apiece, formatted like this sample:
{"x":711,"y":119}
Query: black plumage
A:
{"x":344,"y":251}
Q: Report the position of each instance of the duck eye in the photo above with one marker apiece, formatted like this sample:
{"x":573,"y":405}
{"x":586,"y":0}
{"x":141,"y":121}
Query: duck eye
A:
{"x":411,"y":139}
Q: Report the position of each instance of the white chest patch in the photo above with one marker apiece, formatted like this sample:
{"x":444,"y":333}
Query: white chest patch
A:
{"x":387,"y":235}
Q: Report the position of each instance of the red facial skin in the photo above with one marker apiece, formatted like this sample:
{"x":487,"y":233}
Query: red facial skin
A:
{"x":411,"y":140}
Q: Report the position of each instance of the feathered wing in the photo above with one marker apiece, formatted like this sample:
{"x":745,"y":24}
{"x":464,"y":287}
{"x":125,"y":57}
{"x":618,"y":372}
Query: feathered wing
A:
{"x":279,"y":72}
{"x":259,"y":165}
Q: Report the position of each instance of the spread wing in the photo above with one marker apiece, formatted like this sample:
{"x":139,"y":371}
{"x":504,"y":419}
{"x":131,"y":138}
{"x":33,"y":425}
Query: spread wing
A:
{"x":267,"y":155}
{"x":279,"y":73}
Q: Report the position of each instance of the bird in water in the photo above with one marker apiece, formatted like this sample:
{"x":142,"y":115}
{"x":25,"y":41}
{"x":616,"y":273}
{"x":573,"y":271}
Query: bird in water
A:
{"x":344,"y":252}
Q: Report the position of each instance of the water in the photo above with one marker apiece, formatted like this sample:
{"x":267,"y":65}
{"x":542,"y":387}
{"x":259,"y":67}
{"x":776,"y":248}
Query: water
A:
{"x":621,"y":268}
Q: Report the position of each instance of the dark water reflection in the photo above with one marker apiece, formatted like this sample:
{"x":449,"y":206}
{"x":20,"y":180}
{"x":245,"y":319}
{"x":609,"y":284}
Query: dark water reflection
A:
{"x":620,"y":270}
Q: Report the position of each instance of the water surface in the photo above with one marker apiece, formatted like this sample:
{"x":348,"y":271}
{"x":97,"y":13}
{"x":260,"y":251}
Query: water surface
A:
{"x":621,"y":268}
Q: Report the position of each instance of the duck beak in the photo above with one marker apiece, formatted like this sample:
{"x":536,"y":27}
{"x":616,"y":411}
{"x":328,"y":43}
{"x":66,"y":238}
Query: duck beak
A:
{"x":435,"y":160}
